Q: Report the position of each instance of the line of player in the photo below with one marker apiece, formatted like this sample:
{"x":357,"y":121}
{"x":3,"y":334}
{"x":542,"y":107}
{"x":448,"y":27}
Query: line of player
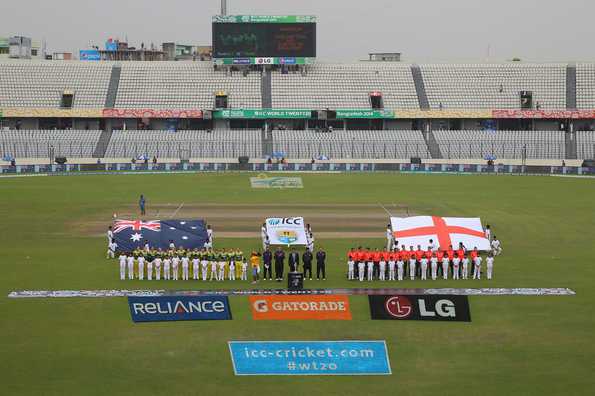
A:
{"x":205,"y":264}
{"x":395,"y":264}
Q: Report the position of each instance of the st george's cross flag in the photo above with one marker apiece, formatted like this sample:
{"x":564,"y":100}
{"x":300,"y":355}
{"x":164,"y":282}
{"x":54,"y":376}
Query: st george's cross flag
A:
{"x":444,"y":231}
{"x":133,"y":234}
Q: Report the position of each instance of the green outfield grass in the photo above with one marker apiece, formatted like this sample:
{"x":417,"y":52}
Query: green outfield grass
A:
{"x":515,"y":345}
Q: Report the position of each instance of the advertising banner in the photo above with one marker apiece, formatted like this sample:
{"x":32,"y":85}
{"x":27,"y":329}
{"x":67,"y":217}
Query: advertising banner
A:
{"x":444,"y":231}
{"x":262,"y":114}
{"x":89,"y":55}
{"x":264,"y":18}
{"x":300,"y":307}
{"x":346,"y":113}
{"x":286,"y":231}
{"x":309,"y":357}
{"x":175,"y":308}
{"x":276,"y":182}
{"x":448,"y":308}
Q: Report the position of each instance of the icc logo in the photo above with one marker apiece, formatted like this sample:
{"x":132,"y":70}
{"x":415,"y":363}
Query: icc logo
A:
{"x":260,"y":306}
{"x":398,"y":306}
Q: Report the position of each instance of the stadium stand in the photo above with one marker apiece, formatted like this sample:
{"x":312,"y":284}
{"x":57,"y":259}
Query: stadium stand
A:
{"x":185,"y":144}
{"x":346,"y":86}
{"x":41,"y":83}
{"x":184,"y":85}
{"x":37,"y":143}
{"x":585,"y":86}
{"x":494,"y":86}
{"x":501,"y":144}
{"x":585,"y":144}
{"x":350,"y":144}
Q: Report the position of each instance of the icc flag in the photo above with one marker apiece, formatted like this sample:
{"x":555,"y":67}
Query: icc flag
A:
{"x":444,"y":231}
{"x":286,"y":231}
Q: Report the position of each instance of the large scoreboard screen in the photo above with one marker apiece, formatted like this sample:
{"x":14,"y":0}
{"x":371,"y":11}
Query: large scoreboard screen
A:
{"x":257,"y":38}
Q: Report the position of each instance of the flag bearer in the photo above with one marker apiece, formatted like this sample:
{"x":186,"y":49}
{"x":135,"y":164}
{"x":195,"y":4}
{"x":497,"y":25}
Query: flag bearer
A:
{"x":111,"y":249}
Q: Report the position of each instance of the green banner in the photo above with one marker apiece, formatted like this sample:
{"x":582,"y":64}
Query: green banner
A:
{"x":355,"y":113}
{"x":264,"y":18}
{"x":262,"y":113}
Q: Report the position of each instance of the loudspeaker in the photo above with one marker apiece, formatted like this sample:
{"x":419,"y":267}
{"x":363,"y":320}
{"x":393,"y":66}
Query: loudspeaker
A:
{"x":588,"y":163}
{"x":244,"y":159}
{"x":416,"y":160}
{"x":221,"y":101}
{"x":67,"y":100}
{"x":60,"y":160}
{"x":526,"y":99}
{"x":295,"y":281}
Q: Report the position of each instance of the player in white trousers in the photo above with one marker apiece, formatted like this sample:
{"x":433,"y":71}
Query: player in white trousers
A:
{"x":204,"y":264}
{"x":400,"y":267}
{"x":389,"y":238}
{"x":130,"y":261}
{"x":382,"y":275}
{"x":350,"y":269}
{"x":496,"y":248}
{"x":175,"y":262}
{"x":166,"y":268}
{"x":456,"y":262}
{"x":141,"y":267}
{"x":477,"y":267}
{"x":370,"y":270}
{"x":445,"y":263}
{"x":185,"y":262}
{"x":361,"y":270}
{"x":465,"y":267}
{"x":391,"y":269}
{"x":195,"y":265}
{"x":111,"y":249}
{"x":149,"y":270}
{"x":157,"y":263}
{"x":424,"y":268}
{"x":122,"y":259}
{"x":434,"y":266}
{"x":412,"y":262}
{"x":244,"y":274}
{"x":221,"y":274}
{"x":232,"y":270}
{"x":490,"y":265}
{"x":213,"y":270}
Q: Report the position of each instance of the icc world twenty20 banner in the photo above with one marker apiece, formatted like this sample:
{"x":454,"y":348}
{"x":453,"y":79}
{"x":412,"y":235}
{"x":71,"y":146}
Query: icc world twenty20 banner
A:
{"x":286,"y":231}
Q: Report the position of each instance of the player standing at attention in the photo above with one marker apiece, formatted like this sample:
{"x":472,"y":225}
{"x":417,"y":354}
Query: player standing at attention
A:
{"x":232,"y":269}
{"x":434,"y":265}
{"x":400,"y":264}
{"x":185,"y":262}
{"x":195,"y":264}
{"x":477,"y":267}
{"x":490,"y":265}
{"x":465,"y":263}
{"x":204,"y":263}
{"x":149,"y":260}
{"x":141,"y":267}
{"x":361,"y":264}
{"x":392,"y":261}
{"x":213,"y":260}
{"x":244,"y":275}
{"x":111,"y":249}
{"x":175,"y":261}
{"x":222,"y":263}
{"x":418,"y":255}
{"x":445,"y":263}
{"x":141,"y":204}
{"x":370,"y":258}
{"x":130,"y":260}
{"x":157,"y":263}
{"x":351,"y":264}
{"x":255,"y":264}
{"x":382,"y":266}
{"x":166,"y":268}
{"x":412,"y":261}
{"x":122,"y":259}
{"x":424,"y":267}
{"x":455,"y":267}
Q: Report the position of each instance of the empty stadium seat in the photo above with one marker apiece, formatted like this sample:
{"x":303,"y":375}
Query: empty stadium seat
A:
{"x":37,"y":143}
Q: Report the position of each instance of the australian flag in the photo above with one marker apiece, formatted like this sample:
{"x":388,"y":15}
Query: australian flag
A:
{"x":133,"y":234}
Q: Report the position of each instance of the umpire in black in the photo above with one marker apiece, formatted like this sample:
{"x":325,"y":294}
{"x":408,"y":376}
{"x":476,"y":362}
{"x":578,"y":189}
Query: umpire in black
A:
{"x":307,"y":258}
{"x":279,"y":257}
{"x":320,"y":264}
{"x":267,"y":259}
{"x":293,"y":260}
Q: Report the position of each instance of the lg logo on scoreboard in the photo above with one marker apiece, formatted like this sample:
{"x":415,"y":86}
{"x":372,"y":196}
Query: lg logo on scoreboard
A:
{"x":420,"y":307}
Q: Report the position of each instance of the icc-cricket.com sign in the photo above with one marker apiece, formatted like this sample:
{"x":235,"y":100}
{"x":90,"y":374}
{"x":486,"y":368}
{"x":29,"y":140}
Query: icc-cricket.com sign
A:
{"x":276,"y":182}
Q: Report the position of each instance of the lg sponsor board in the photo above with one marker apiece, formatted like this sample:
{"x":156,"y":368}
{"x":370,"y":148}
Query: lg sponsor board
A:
{"x":291,"y":307}
{"x":176,"y":308}
{"x":420,"y":307}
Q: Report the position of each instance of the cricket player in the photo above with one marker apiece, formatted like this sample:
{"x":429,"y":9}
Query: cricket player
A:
{"x":130,"y":261}
{"x":209,"y":237}
{"x":389,"y":237}
{"x":149,"y":269}
{"x":222,"y":263}
{"x":232,"y":270}
{"x":432,"y":245}
{"x":465,"y":264}
{"x":434,"y":266}
{"x":111,"y":249}
{"x":400,"y":265}
{"x":490,"y":265}
{"x":244,"y":275}
{"x":175,"y":262}
{"x":185,"y":262}
{"x":392,"y":261}
{"x":213,"y":260}
{"x":361,"y":270}
{"x":195,"y":263}
{"x":204,"y":264}
{"x":412,"y":261}
{"x":382,"y":269}
{"x":477,"y":267}
{"x":310,"y":246}
{"x":424,"y":267}
{"x":122,"y":259}
{"x":141,"y":267}
{"x":445,"y":263}
{"x":110,"y":235}
{"x":351,"y":264}
{"x":166,"y":268}
{"x":157,"y":264}
{"x":488,"y":232}
{"x":455,"y":267}
{"x":370,"y":258}
{"x":496,"y":248}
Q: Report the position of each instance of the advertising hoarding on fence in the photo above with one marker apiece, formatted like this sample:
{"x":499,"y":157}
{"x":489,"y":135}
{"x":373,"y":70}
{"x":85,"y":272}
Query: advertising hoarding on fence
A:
{"x":300,"y":307}
{"x":177,"y":308}
{"x":449,"y":308}
{"x":309,"y":357}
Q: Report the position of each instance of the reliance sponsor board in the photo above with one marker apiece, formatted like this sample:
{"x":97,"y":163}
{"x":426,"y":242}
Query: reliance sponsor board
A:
{"x":420,"y":307}
{"x":309,"y":357}
{"x":172,"y":308}
{"x":300,"y":307}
